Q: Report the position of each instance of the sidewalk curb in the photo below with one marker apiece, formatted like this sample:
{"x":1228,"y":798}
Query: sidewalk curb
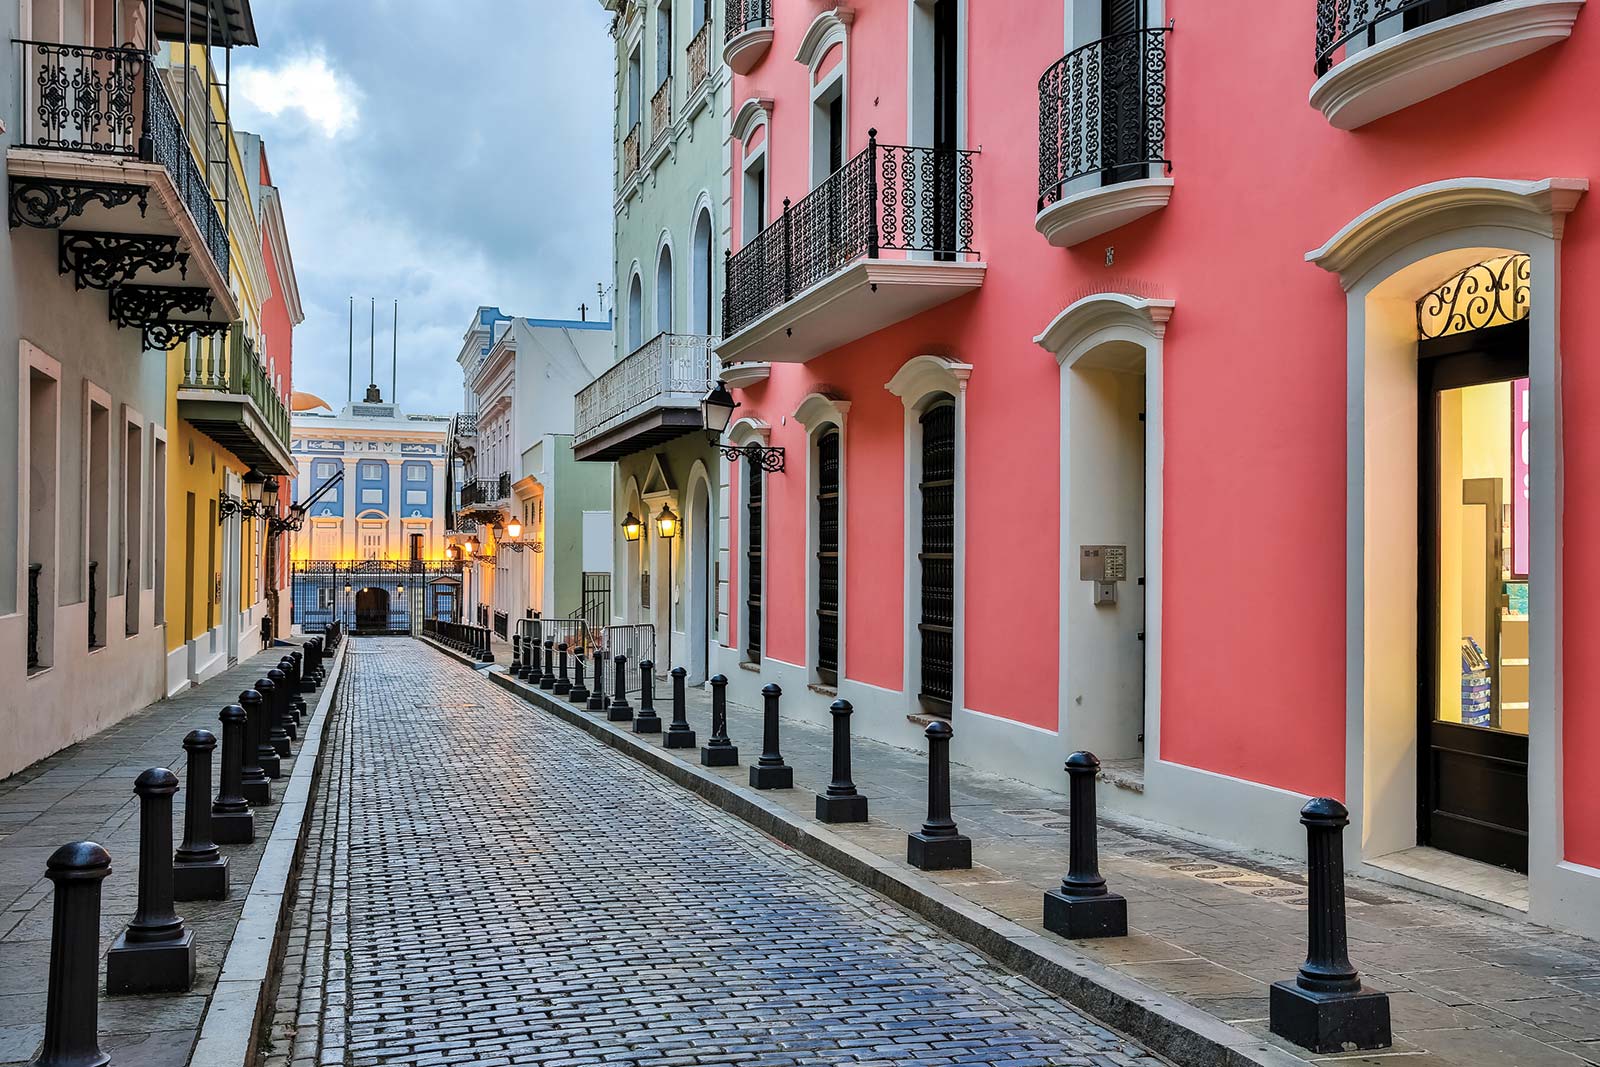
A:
{"x":231,"y":1026}
{"x":1181,"y":1032}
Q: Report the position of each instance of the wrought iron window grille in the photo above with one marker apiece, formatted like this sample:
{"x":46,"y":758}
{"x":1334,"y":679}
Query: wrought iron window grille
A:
{"x":1496,"y":292}
{"x":1103,"y":110}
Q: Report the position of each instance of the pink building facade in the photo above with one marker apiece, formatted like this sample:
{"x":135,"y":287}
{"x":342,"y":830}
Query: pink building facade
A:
{"x":1201,"y":385}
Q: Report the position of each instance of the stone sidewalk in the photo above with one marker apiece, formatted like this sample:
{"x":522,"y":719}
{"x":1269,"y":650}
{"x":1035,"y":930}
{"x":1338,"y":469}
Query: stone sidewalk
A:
{"x":86,"y":792}
{"x":1211,"y":927}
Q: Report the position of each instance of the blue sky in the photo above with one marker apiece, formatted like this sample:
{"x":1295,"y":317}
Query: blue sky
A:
{"x":444,"y":160}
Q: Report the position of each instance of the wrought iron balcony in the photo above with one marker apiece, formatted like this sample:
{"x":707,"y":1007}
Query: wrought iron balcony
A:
{"x":650,"y":396}
{"x":742,"y":16}
{"x":228,"y":395}
{"x":1346,"y":25}
{"x":630,"y":153}
{"x":748,"y":28}
{"x":699,"y":57}
{"x":109,"y":102}
{"x":889,"y":204}
{"x":464,"y":431}
{"x":1103,"y":110}
{"x":660,"y":113}
{"x":485,"y":494}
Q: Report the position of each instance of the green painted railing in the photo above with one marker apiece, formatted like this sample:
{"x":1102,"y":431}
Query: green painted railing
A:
{"x":234,"y":367}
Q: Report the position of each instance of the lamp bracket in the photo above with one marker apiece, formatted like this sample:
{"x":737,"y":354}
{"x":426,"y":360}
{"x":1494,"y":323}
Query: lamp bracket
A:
{"x":769,"y":458}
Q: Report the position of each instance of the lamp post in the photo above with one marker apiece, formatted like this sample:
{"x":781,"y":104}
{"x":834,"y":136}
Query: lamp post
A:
{"x":667,"y":529}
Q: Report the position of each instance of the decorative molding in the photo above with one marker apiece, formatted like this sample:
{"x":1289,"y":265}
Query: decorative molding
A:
{"x":748,"y":429}
{"x":1086,"y":215}
{"x":826,"y":30}
{"x":751,"y":113}
{"x":109,"y":260}
{"x":744,"y":375}
{"x":153,"y":307}
{"x":819,"y":408}
{"x":1100,"y":317}
{"x":921,"y":375}
{"x":47,"y":203}
{"x":1539,"y":207}
{"x":1423,"y":62}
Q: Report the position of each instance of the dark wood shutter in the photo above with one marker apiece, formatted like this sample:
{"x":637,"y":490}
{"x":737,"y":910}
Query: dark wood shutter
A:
{"x":937,"y":557}
{"x":1122,"y":93}
{"x":828,"y":557}
{"x":752,"y":592}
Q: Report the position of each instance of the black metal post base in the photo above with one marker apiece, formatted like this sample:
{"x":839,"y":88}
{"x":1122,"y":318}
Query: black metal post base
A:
{"x":271,"y":766}
{"x":719,"y":756}
{"x":233,"y":828}
{"x":678,"y":739}
{"x":281,"y":746}
{"x":595,"y":703}
{"x":579,"y":696}
{"x":1080,"y":918}
{"x":622,"y":714}
{"x":201,"y":881}
{"x":647,"y":722}
{"x":259,"y":794}
{"x":780,"y":777}
{"x":1329,"y":1022}
{"x":841,"y":809}
{"x":158,"y":967}
{"x":939,"y":853}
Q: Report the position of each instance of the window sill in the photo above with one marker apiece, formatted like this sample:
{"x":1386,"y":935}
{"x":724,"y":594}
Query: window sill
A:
{"x":1417,"y":64}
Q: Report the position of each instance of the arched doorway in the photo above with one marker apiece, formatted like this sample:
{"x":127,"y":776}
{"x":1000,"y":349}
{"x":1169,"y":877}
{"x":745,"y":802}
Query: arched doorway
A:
{"x":699,"y":530}
{"x":372,"y":609}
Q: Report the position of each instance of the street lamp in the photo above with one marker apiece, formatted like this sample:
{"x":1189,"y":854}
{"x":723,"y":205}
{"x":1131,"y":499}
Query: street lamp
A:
{"x":514,"y":530}
{"x":667,"y":527}
{"x":716,"y":410}
{"x":632,"y":528}
{"x":254,"y":485}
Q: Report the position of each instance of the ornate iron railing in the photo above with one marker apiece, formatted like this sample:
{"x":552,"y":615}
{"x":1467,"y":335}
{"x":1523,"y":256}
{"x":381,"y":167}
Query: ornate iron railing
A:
{"x":744,"y":15}
{"x":1344,"y":26}
{"x":1496,"y":292}
{"x":233,"y":367}
{"x":486,"y":491}
{"x":34,"y":571}
{"x":1103,"y":109}
{"x":464,"y":425}
{"x":669,"y":370}
{"x":398,"y":593}
{"x":661,"y":112}
{"x":886,"y":198}
{"x":630,"y":153}
{"x":699,"y":57}
{"x":109,"y":101}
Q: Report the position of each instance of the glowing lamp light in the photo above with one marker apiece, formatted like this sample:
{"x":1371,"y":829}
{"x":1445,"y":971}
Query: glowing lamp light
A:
{"x":632,"y":528}
{"x":667,"y":523}
{"x":514,"y":530}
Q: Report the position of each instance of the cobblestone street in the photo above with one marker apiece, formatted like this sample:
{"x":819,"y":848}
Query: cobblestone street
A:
{"x":485,"y":885}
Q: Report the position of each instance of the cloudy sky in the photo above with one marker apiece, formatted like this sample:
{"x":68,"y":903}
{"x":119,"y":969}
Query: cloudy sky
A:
{"x":445,"y":162}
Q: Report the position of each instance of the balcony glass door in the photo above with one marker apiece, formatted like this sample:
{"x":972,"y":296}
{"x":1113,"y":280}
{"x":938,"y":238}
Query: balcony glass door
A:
{"x":1474,"y":610}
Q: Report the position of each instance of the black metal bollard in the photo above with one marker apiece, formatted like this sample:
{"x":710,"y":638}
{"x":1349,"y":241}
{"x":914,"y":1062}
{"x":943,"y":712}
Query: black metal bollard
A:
{"x":155,"y":954}
{"x":1082,"y":907}
{"x":579,"y":693}
{"x":1325,"y":1008}
{"x":648,"y":722}
{"x":679,"y":735}
{"x":72,"y":1005}
{"x":771,"y":772}
{"x":253,"y":782}
{"x":841,"y":802}
{"x":597,"y":699}
{"x":515,"y":669}
{"x":232,"y":822}
{"x":719,"y":751}
{"x":199,"y":869}
{"x":619,"y":710}
{"x":298,"y":714}
{"x":274,"y":738}
{"x":939,"y":846}
{"x":563,"y":683}
{"x":306,"y":685}
{"x":547,"y":679}
{"x":281,"y":736}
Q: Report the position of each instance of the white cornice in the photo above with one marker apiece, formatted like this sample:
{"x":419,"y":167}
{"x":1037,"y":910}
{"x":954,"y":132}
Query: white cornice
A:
{"x":826,"y":30}
{"x":278,"y":236}
{"x":1102,"y":316}
{"x":1092,"y":212}
{"x":921,"y":375}
{"x":754,"y":110}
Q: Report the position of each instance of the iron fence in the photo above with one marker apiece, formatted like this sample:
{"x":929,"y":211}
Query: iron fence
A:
{"x":375,"y":596}
{"x":886,"y":198}
{"x":1103,"y":110}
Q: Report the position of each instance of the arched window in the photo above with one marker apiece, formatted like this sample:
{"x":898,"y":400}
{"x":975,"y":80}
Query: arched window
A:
{"x":635,"y":313}
{"x":664,"y":291}
{"x":828,"y":555}
{"x":700,"y":283}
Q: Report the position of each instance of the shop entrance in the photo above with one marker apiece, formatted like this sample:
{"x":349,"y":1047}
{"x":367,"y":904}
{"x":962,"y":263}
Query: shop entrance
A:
{"x":1473,"y":607}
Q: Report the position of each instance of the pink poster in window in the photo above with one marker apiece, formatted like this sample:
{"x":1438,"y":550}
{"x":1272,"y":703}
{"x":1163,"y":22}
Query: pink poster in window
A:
{"x":1519,"y":477}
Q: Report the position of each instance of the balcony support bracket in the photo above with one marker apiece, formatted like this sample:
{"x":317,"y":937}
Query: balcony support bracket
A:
{"x":46,"y":203}
{"x":109,"y":260}
{"x":154,"y":307}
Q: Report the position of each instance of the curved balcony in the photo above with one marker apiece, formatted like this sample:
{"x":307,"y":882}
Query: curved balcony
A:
{"x":648,"y":398}
{"x":749,"y":33}
{"x":1376,"y":57}
{"x":1102,"y":137}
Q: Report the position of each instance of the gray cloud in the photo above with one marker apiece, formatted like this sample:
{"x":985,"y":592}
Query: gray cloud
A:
{"x":477,"y":171}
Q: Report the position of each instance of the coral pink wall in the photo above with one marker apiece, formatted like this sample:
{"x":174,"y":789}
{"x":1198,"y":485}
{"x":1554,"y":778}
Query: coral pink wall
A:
{"x":1253,"y":674}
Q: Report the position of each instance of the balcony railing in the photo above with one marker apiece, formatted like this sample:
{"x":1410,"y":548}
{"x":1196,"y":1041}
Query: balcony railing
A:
{"x":671,"y":369}
{"x":1103,"y":110}
{"x":699,"y":57}
{"x":661,"y":112}
{"x":745,"y":15}
{"x":235,"y":368}
{"x":886,"y":198}
{"x":630,"y":153}
{"x":106,"y":101}
{"x":1344,"y":26}
{"x":486,"y":491}
{"x":464,"y":425}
